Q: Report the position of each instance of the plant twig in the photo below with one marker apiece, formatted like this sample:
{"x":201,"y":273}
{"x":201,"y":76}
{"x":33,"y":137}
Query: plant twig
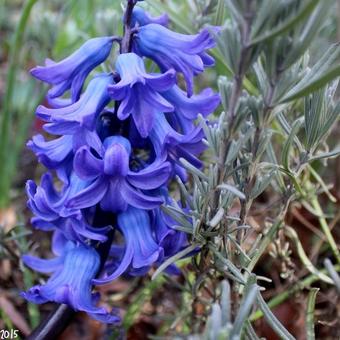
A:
{"x":282,"y":297}
{"x":325,"y":228}
{"x":54,"y":324}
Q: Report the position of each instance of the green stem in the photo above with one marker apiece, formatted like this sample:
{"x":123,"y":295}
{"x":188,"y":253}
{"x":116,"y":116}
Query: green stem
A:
{"x":277,"y":300}
{"x":14,"y":53}
{"x":325,"y":228}
{"x":310,"y":314}
{"x":268,"y":238}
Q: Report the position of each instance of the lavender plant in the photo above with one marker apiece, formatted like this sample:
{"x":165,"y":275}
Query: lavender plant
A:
{"x":134,"y":130}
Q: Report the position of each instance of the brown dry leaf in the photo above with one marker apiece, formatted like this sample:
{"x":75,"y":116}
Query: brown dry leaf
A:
{"x":141,"y":329}
{"x":84,"y":328}
{"x":291,"y":315}
{"x":8,"y":218}
{"x":115,"y":286}
{"x":5,"y":269}
{"x":13,"y":314}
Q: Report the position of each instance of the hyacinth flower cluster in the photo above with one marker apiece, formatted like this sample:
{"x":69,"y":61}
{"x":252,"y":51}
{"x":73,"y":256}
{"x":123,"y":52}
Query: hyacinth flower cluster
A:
{"x":116,"y":143}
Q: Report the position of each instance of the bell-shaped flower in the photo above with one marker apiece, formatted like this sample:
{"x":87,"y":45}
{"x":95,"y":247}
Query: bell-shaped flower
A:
{"x":142,"y":18}
{"x":50,"y":212}
{"x":166,"y":140}
{"x":139,"y":92}
{"x":188,"y":108}
{"x":52,"y":153}
{"x":71,"y":72}
{"x":58,"y":152}
{"x":170,"y":50}
{"x":141,"y":249}
{"x":82,"y":113}
{"x":71,"y":281}
{"x":45,"y":201}
{"x":113,"y":184}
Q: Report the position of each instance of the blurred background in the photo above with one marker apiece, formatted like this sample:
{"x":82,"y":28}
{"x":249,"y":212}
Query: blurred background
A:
{"x":33,"y":30}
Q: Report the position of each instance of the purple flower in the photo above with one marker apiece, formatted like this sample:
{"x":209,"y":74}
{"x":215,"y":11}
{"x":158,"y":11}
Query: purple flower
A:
{"x":113,"y":184}
{"x":184,"y":53}
{"x":141,"y":249}
{"x":139,"y":92}
{"x":187,"y":109}
{"x":142,"y":18}
{"x":71,"y":72}
{"x":58,"y":153}
{"x":71,"y":281}
{"x":84,"y":112}
{"x":53,"y":153}
{"x":166,"y":140}
{"x":50,"y":212}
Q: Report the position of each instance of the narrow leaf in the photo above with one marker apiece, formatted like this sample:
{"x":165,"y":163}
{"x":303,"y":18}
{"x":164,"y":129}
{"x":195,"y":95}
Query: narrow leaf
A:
{"x":323,"y":72}
{"x":173,"y":259}
{"x":333,"y":274}
{"x":288,"y":24}
{"x":291,"y":233}
{"x":233,"y":190}
{"x":276,"y":325}
{"x":245,"y":307}
{"x":288,"y":144}
{"x":225,"y":302}
{"x":331,"y":154}
{"x":310,"y":314}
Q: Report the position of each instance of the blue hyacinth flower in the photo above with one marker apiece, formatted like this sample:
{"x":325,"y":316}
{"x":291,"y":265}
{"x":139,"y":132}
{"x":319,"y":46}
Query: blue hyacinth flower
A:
{"x":113,"y":185}
{"x":184,"y":53}
{"x":46,"y":202}
{"x":141,"y":249}
{"x":71,"y":281}
{"x":71,"y":72}
{"x":83,"y":113}
{"x":58,"y":153}
{"x":53,"y":153}
{"x":188,"y":108}
{"x":142,"y":18}
{"x":50,"y":212}
{"x":139,"y":92}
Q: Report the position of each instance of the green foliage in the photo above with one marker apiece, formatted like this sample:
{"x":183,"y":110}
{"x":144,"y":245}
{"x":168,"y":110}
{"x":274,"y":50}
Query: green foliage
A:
{"x":264,"y":141}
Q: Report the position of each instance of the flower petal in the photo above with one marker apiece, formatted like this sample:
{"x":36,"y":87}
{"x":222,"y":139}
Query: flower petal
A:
{"x":138,"y":199}
{"x":86,"y":165}
{"x":90,"y":196}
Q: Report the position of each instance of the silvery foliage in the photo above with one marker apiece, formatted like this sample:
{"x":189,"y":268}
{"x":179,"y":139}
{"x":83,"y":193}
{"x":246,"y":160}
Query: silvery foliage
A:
{"x":268,"y":133}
